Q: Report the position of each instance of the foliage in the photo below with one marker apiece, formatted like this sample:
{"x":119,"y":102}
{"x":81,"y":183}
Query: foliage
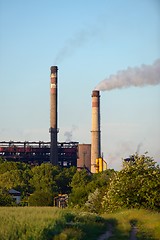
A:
{"x":47,"y":177}
{"x":63,"y":179}
{"x":146,"y":222}
{"x":15,"y":175}
{"x":80,"y":178}
{"x":43,"y":178}
{"x":36,"y":180}
{"x":79,"y":193}
{"x":93,"y":204}
{"x":84,"y":184}
{"x":41,"y":198}
{"x":14,"y":179}
{"x":6,"y":166}
{"x":46,"y":223}
{"x":102,"y":179}
{"x":5,"y":199}
{"x":136,"y":185}
{"x":2,"y":160}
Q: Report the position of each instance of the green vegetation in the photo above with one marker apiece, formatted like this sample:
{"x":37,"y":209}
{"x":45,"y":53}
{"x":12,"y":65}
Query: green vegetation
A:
{"x":125,"y":198}
{"x":45,"y":223}
{"x":146,"y":222}
{"x":83,"y":185}
{"x":40,"y":183}
{"x":137,"y":185}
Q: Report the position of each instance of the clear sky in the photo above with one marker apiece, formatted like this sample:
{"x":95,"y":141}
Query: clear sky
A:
{"x":88,"y":40}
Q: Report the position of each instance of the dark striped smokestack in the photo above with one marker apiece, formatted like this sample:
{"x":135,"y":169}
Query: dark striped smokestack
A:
{"x":53,"y":116}
{"x":95,"y":132}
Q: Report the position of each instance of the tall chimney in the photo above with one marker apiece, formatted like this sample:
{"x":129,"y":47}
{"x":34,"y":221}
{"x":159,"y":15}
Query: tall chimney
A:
{"x":95,"y":132}
{"x":53,"y":116}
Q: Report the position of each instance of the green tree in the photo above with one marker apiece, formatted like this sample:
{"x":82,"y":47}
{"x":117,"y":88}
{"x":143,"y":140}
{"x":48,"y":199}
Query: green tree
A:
{"x":64,"y":178}
{"x":5,"y":199}
{"x":6,"y":166}
{"x":79,"y":193}
{"x":96,"y":189}
{"x":1,"y":160}
{"x":41,"y":198}
{"x":81,"y":178}
{"x":136,"y":185}
{"x":43,"y":177}
{"x":84,"y":184}
{"x":17,"y":179}
{"x":93,"y":204}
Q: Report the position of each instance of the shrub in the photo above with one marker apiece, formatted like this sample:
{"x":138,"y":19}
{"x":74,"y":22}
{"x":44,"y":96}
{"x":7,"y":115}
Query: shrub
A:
{"x":5,"y":199}
{"x":93,"y":203}
{"x":136,"y":185}
{"x":41,"y":198}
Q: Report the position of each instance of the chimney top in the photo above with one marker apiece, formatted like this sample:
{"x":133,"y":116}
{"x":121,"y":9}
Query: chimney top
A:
{"x":95,"y":93}
{"x":53,"y":69}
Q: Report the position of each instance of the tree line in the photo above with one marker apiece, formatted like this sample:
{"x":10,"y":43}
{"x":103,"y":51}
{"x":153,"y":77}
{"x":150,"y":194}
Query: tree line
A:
{"x":136,"y":185}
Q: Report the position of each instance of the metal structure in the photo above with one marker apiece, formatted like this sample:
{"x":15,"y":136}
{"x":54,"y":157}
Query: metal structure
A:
{"x":36,"y":153}
{"x":101,"y":165}
{"x":67,"y":154}
{"x":53,"y":115}
{"x":95,"y":132}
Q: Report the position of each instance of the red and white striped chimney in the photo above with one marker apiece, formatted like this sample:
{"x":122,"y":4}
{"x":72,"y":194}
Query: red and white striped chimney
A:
{"x":95,"y":132}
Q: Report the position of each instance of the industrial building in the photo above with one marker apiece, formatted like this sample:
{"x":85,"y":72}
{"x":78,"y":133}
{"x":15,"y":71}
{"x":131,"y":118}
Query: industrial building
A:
{"x":36,"y":153}
{"x":64,"y":154}
{"x":84,"y":156}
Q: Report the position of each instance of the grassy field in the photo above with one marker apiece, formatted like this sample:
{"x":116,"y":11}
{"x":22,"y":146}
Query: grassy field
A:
{"x":37,"y":223}
{"x":146,"y":222}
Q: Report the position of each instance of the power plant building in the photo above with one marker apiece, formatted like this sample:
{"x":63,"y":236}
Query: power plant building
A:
{"x":36,"y":153}
{"x":64,"y":154}
{"x":84,"y":156}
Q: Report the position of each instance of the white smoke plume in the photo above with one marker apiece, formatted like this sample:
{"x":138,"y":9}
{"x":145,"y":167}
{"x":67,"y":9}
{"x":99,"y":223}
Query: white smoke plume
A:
{"x":69,"y":134}
{"x":77,"y":41}
{"x":137,"y":77}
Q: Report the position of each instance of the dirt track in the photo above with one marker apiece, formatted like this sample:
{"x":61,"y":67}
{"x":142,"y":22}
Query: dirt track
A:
{"x":110,"y":232}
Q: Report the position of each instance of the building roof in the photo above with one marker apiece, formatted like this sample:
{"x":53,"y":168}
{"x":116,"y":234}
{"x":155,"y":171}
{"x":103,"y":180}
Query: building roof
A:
{"x":13,"y":191}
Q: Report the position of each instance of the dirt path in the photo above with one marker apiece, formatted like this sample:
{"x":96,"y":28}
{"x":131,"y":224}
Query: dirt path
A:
{"x":133,"y":233}
{"x":109,"y":233}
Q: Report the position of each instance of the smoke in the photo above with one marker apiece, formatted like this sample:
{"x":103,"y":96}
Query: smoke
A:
{"x":69,"y":134}
{"x":137,"y":77}
{"x":139,"y":147}
{"x":79,"y":40}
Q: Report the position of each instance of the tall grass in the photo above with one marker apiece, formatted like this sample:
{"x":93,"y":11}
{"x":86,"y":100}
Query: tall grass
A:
{"x":146,"y":222}
{"x":45,"y":223}
{"x":49,"y":223}
{"x":29,"y":222}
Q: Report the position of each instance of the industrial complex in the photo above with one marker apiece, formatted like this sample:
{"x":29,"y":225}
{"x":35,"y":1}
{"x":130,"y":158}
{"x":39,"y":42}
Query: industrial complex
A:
{"x":64,"y":154}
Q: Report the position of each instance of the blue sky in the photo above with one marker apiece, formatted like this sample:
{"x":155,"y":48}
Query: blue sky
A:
{"x":88,"y":41}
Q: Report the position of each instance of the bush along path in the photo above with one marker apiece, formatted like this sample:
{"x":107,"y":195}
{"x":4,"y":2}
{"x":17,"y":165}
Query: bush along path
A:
{"x":133,"y":224}
{"x":109,"y":234}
